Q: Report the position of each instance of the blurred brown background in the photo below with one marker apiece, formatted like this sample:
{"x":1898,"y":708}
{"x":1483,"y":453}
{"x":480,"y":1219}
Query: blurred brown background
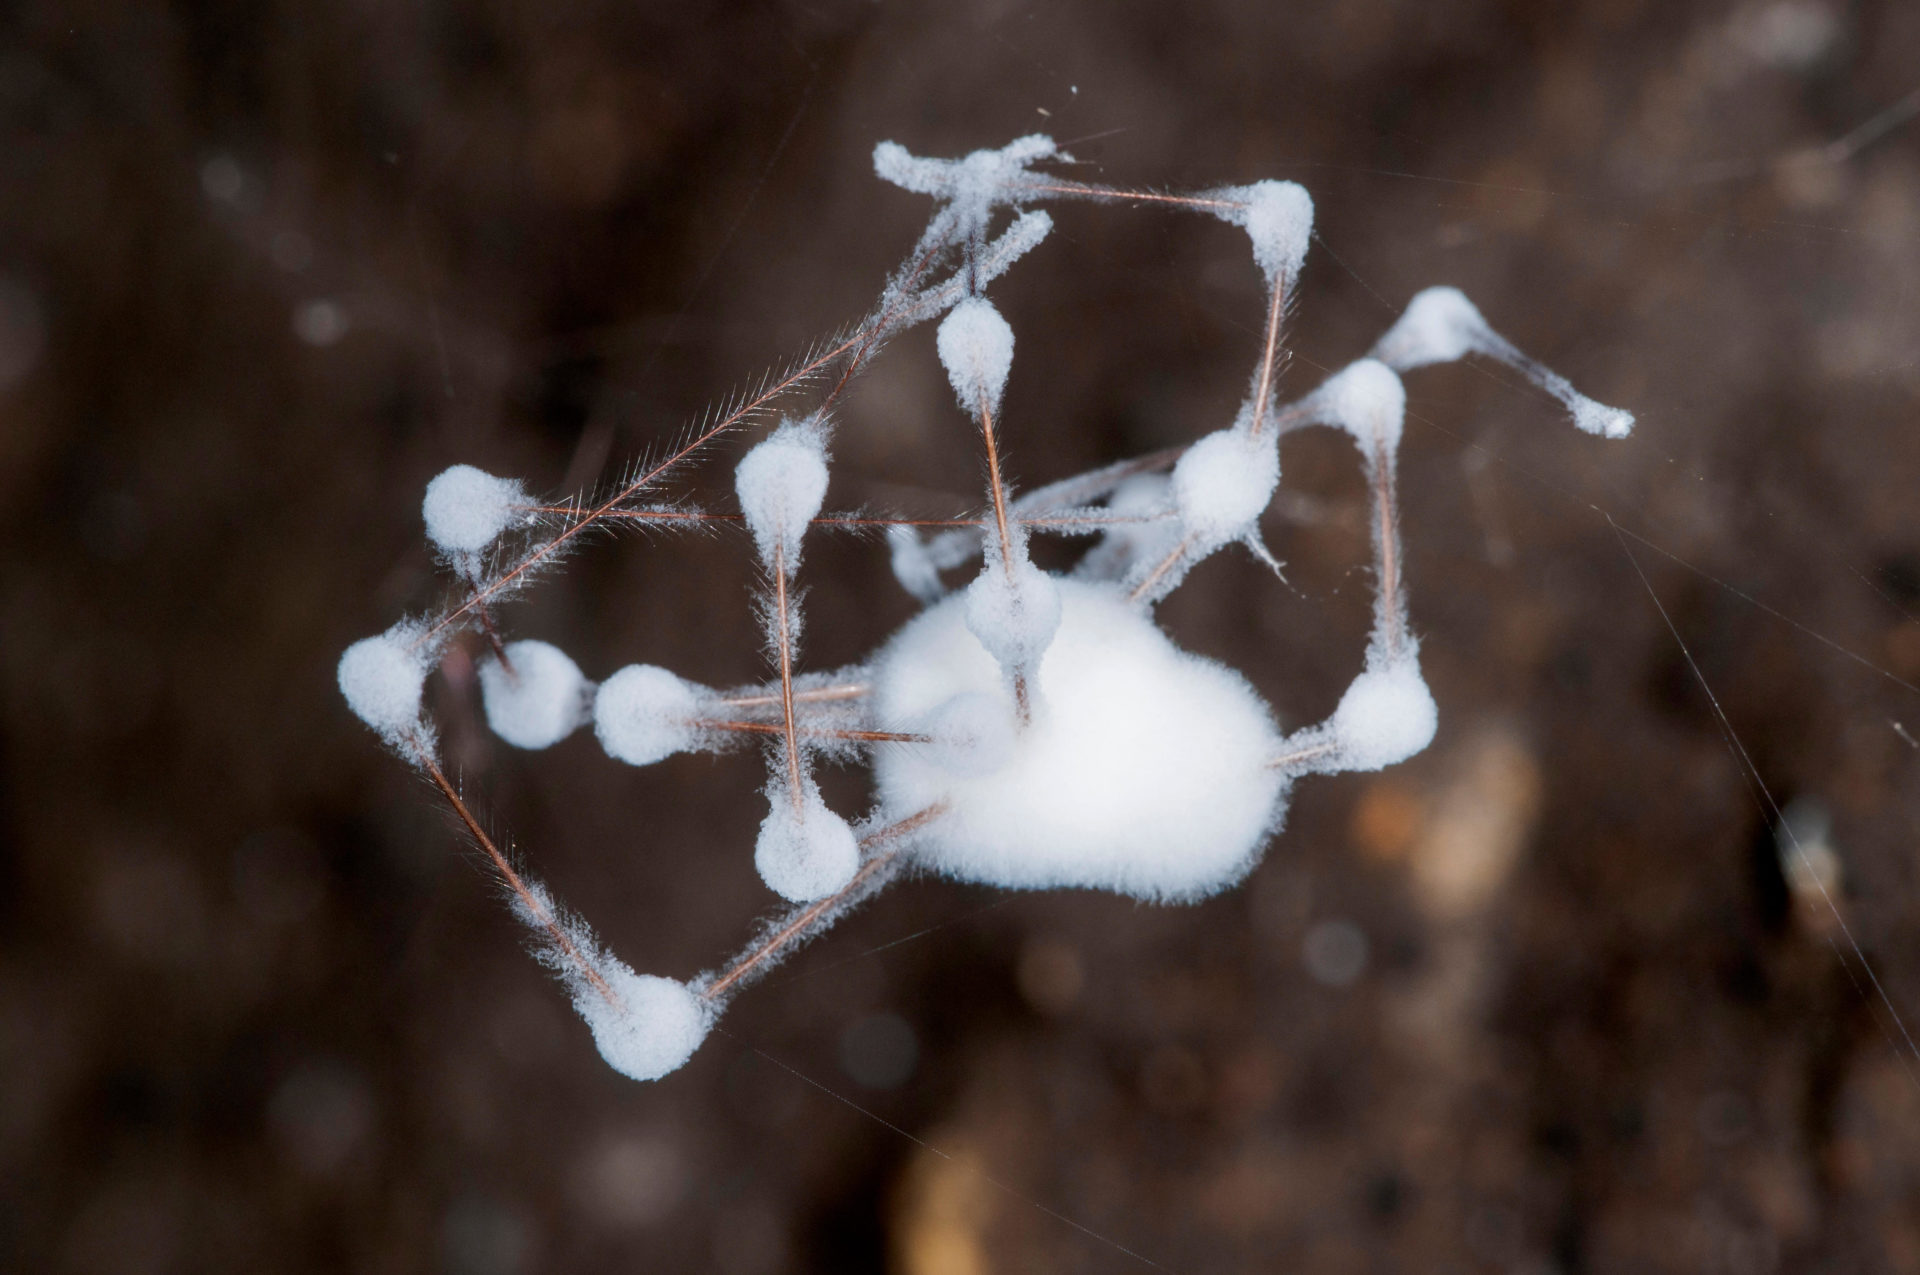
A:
{"x":1544,"y":1000}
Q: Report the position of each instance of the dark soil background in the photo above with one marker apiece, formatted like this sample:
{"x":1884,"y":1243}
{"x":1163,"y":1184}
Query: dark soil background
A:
{"x":1547,"y":999}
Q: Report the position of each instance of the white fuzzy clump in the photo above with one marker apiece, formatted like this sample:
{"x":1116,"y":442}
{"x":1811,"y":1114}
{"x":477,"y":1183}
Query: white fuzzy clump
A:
{"x":1013,"y":614}
{"x":1278,"y":217}
{"x":466,"y":509}
{"x":781,"y":484}
{"x":1598,"y":418}
{"x":971,"y":734}
{"x":1386,"y":716}
{"x":1223,"y":483}
{"x":1367,"y":399}
{"x":971,"y":186}
{"x":382,"y":677}
{"x":976,"y":348}
{"x":542,"y":700}
{"x":805,"y":854}
{"x":651,"y":1027}
{"x":644,"y":713}
{"x":1441,"y":325}
{"x":1144,"y":770}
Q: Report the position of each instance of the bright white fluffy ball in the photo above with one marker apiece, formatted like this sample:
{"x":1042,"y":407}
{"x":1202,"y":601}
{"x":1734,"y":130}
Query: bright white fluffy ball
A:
{"x":1439,"y":326}
{"x":1144,"y":770}
{"x":781,"y":484}
{"x":976,"y":348}
{"x":641,"y":714}
{"x":1223,"y":483}
{"x":653,"y":1030}
{"x":381,"y":678}
{"x":1013,"y":614}
{"x":466,"y":509}
{"x":1278,"y":217}
{"x":1367,"y":400}
{"x":808,"y":855}
{"x":541,"y":701}
{"x":1386,"y":716}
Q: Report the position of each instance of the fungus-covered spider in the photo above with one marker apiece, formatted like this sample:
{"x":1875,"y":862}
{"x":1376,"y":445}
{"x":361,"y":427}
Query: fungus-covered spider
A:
{"x":1029,"y":730}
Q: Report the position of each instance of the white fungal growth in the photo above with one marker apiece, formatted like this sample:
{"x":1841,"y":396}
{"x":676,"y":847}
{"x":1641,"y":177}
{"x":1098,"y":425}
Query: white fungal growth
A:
{"x":1387,"y":714}
{"x":466,"y":509}
{"x":644,"y":1026}
{"x":971,"y":186}
{"x":1144,"y":769}
{"x":1278,"y":217}
{"x":1030,"y":732}
{"x":1441,"y":325}
{"x":650,"y":1027}
{"x":643,"y":713}
{"x":971,"y":734}
{"x":781,"y":484}
{"x":1598,"y":418}
{"x":540,"y":700}
{"x":1012,"y":612}
{"x":1367,"y":400}
{"x":804,"y":854}
{"x":976,"y":348}
{"x":382,"y":677}
{"x":1222,"y":484}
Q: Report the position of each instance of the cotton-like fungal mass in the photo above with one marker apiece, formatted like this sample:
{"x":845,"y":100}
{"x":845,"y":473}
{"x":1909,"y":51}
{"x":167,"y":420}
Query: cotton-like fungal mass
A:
{"x":804,"y":853}
{"x":1366,"y":399}
{"x":1223,"y":483}
{"x":466,"y":509}
{"x":1278,"y":217}
{"x":650,"y":1027}
{"x":1028,"y":729}
{"x":1438,"y":326}
{"x":537,"y":697}
{"x":976,"y":348}
{"x":1144,"y":770}
{"x":1386,"y":716}
{"x":381,"y":679}
{"x":1012,"y":611}
{"x":970,"y":735}
{"x":1441,"y":325}
{"x":781,"y":483}
{"x":643,"y":713}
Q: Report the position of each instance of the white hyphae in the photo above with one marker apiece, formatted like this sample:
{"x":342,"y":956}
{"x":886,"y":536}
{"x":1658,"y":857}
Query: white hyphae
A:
{"x":650,"y":1027}
{"x":466,"y":509}
{"x":970,"y":734}
{"x":1367,"y":400}
{"x":644,"y":713}
{"x":1223,"y":483}
{"x":1144,"y":770}
{"x":804,"y":854}
{"x":381,"y":678}
{"x":1278,"y":217}
{"x":537,"y":698}
{"x":1440,"y":325}
{"x":976,"y":348}
{"x":781,"y":484}
{"x":1012,"y":611}
{"x":1387,"y":714}
{"x":971,"y":186}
